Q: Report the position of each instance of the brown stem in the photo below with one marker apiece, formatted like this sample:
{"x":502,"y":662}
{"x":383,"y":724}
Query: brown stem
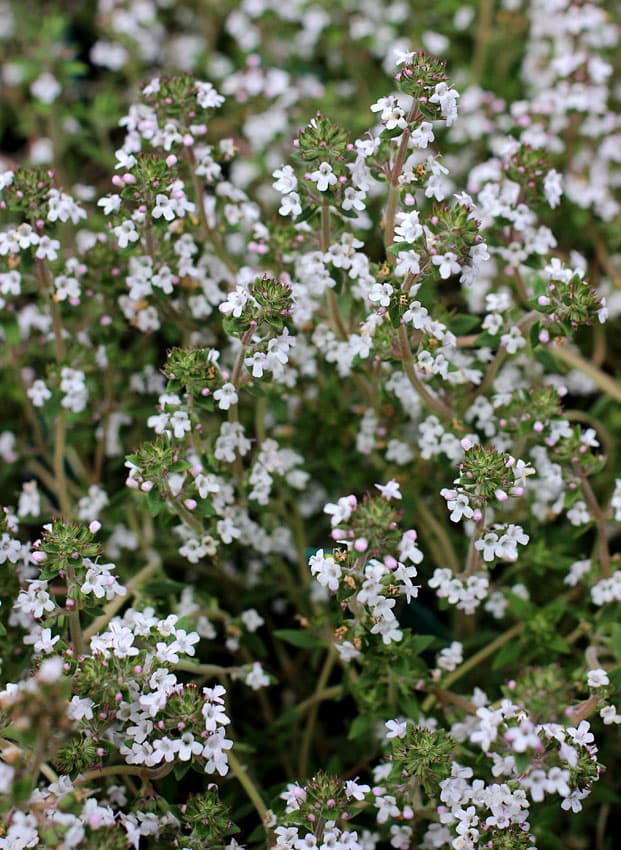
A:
{"x":430,"y":522}
{"x":395,"y":173}
{"x":484,"y":30}
{"x":431,"y":400}
{"x":210,"y":232}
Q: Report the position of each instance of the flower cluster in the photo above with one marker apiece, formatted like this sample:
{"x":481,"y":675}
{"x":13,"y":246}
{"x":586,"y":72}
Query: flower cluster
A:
{"x":304,"y":414}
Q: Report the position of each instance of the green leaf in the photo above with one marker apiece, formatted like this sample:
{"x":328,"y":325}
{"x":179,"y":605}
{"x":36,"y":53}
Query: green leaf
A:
{"x":522,"y":608}
{"x":180,"y":769}
{"x":420,"y":643}
{"x":362,"y":725}
{"x":298,"y":637}
{"x":615,"y":640}
{"x":534,"y":334}
{"x":507,"y":655}
{"x":154,"y":503}
{"x":487,"y":340}
{"x":615,"y":678}
{"x":162,"y":587}
{"x":306,"y":214}
{"x":21,"y":791}
{"x":463,"y":324}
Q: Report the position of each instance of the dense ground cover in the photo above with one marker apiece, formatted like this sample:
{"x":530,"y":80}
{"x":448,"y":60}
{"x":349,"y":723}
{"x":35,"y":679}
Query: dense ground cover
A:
{"x":310,"y":478}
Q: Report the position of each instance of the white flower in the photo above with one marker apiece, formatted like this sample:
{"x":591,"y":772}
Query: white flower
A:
{"x":447,"y":99}
{"x":38,"y":393}
{"x":47,"y":248}
{"x":125,"y":233}
{"x":164,"y":206}
{"x":324,"y":177}
{"x":408,"y":262}
{"x":226,"y":396}
{"x":354,"y":199}
{"x":408,"y":227}
{"x":553,"y":188}
{"x":451,"y":657}
{"x":235,"y":302}
{"x":326,"y":570}
{"x":597,"y":678}
{"x":422,"y":135}
{"x":286,"y":180}
{"x":207,"y":96}
{"x":290,"y":205}
{"x":256,"y":678}
{"x":252,"y":619}
{"x":447,"y":264}
{"x":46,"y":88}
{"x":341,"y":510}
{"x":380,"y":294}
{"x":391,"y":490}
{"x":80,"y":709}
{"x":513,"y":340}
{"x":610,"y":715}
{"x":396,"y":728}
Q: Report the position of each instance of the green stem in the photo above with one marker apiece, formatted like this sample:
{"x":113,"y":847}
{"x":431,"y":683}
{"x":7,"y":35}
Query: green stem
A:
{"x":249,"y":787}
{"x":576,"y":361}
{"x":598,"y":516}
{"x":60,"y":431}
{"x":474,"y":661}
{"x":260,"y":409}
{"x":523,"y":325}
{"x":314,"y":711}
{"x":117,"y":603}
{"x":474,"y":556}
{"x":322,"y":695}
{"x":296,"y":524}
{"x":125,"y":770}
{"x":324,"y":236}
{"x":204,"y":669}
{"x":46,"y":281}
